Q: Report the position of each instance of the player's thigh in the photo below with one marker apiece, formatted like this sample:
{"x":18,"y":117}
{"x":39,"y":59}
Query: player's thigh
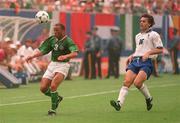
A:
{"x":129,"y":78}
{"x":141,"y":77}
{"x":45,"y":84}
{"x":58,"y":78}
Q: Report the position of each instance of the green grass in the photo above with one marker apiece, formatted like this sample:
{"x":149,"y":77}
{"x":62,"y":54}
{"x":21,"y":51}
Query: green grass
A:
{"x":87,"y":101}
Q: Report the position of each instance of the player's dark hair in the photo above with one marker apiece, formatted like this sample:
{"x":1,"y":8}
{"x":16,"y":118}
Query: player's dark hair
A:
{"x":60,"y":25}
{"x":150,"y":19}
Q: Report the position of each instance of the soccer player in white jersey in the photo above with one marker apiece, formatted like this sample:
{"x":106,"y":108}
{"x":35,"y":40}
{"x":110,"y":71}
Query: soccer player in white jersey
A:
{"x":139,"y":64}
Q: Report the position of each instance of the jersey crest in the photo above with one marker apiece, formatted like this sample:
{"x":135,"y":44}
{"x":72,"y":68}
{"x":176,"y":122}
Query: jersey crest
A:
{"x":141,"y":41}
{"x":61,"y":47}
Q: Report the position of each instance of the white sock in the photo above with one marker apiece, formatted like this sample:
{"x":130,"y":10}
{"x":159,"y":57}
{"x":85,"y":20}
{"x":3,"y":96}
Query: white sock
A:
{"x":122,"y":94}
{"x":144,"y":90}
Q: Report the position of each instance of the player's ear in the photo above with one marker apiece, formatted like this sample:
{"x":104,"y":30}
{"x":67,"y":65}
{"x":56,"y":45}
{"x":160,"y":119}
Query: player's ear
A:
{"x":149,"y":25}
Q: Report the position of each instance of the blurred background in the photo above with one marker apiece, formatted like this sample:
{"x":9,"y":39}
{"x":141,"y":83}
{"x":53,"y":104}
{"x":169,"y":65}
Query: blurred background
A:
{"x":104,"y":31}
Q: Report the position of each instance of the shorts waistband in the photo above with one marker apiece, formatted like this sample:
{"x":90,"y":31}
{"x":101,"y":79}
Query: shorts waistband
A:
{"x":139,"y":58}
{"x":57,"y":63}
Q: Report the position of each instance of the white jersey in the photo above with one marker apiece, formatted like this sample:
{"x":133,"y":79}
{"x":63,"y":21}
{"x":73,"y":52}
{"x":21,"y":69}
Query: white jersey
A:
{"x":146,"y":42}
{"x":25,"y":51}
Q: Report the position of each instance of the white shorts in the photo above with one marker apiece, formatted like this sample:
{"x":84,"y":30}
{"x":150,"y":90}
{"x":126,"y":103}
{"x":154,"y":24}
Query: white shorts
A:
{"x":56,"y":67}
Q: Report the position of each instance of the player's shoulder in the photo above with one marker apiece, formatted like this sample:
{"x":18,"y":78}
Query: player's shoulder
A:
{"x":69,"y":40}
{"x":51,"y":37}
{"x":138,"y":35}
{"x":154,"y":33}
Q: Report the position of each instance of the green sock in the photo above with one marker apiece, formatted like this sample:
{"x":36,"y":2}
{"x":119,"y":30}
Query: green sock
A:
{"x":48,"y":92}
{"x":54,"y":98}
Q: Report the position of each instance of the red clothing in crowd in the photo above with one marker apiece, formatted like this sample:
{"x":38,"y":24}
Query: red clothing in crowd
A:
{"x":2,"y":54}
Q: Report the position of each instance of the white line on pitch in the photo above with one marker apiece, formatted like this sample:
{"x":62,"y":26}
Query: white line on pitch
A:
{"x":85,"y":95}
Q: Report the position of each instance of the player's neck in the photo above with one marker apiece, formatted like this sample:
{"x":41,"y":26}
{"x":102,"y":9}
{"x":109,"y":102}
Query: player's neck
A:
{"x":146,"y":30}
{"x":62,"y":37}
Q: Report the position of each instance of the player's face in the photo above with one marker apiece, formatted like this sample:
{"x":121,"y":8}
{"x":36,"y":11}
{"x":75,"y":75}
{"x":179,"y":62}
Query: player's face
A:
{"x":58,"y":32}
{"x":144,"y":24}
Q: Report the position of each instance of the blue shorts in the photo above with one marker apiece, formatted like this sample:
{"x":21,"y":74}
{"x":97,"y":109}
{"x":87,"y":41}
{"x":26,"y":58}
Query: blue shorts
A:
{"x":137,"y":65}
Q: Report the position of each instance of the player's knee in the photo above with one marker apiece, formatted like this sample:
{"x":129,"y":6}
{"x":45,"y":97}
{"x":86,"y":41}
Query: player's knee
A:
{"x":53,"y":87}
{"x":127,"y":83}
{"x":138,"y":84}
{"x":43,"y":89}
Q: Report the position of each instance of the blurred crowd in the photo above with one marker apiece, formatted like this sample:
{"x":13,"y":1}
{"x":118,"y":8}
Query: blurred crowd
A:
{"x":100,"y":6}
{"x":12,"y":58}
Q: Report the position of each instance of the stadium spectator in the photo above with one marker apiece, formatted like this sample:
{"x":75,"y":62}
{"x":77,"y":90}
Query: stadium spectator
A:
{"x":25,"y":50}
{"x":2,"y":52}
{"x":6,"y":52}
{"x":96,"y":43}
{"x":114,"y":50}
{"x":89,"y":58}
{"x":15,"y":62}
{"x":16,"y":65}
{"x":8,"y":41}
{"x":174,"y":51}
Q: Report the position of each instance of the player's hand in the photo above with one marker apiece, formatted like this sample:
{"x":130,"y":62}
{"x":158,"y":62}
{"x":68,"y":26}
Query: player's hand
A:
{"x":145,"y":56}
{"x":63,"y":57}
{"x":28,"y":59}
{"x":129,"y":59}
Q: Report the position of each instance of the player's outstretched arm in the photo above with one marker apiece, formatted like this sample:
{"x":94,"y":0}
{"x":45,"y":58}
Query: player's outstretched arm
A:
{"x":35,"y":54}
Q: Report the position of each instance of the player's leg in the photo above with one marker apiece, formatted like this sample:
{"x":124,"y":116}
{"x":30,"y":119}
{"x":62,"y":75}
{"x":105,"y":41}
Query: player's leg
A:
{"x":86,"y":65}
{"x":129,"y":78}
{"x":110,"y":65}
{"x":139,"y":83}
{"x":55,"y":98}
{"x":99,"y":66}
{"x":46,"y":82}
{"x":116,"y":64}
{"x":44,"y":86}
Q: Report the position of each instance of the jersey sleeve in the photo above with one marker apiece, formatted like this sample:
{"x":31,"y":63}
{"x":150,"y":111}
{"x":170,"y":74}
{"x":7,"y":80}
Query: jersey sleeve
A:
{"x":72,"y":46}
{"x":157,"y":42}
{"x":45,"y":47}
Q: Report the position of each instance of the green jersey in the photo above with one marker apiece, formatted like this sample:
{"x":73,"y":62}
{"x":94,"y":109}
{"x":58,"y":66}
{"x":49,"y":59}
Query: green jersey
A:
{"x":58,"y":47}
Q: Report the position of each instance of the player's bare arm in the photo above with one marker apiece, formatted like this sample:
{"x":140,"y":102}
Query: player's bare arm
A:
{"x":152,"y":52}
{"x":129,"y":59}
{"x":35,"y":54}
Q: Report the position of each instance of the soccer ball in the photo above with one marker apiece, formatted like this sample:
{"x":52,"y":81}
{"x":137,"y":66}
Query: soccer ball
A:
{"x":42,"y":17}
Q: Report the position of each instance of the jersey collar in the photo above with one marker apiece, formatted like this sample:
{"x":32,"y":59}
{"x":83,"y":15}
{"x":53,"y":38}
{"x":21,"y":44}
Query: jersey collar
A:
{"x":65,"y":36}
{"x":147,"y":31}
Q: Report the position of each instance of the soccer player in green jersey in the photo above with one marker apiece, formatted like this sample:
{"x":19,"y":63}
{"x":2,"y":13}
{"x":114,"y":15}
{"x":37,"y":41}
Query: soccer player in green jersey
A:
{"x":62,"y":49}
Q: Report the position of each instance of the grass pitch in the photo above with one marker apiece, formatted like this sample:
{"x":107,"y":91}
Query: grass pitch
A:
{"x":87,"y":101}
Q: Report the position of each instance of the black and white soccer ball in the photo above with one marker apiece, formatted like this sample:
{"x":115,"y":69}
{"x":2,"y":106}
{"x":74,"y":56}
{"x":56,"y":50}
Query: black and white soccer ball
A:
{"x":42,"y":17}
